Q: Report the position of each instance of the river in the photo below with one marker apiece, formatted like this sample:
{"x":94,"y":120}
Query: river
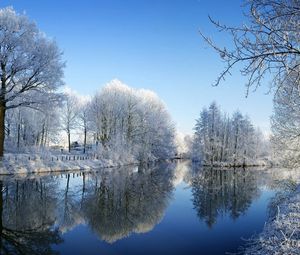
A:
{"x":166,"y":208}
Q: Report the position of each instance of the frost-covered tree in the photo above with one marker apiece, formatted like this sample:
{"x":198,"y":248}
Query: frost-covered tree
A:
{"x":155,"y":134}
{"x":286,"y":122}
{"x":131,"y":123}
{"x":31,"y":68}
{"x":243,"y":137}
{"x":27,"y":128}
{"x":69,"y":114}
{"x":207,"y":133}
{"x":219,"y":139}
{"x":113,"y":111}
{"x":183,"y":143}
{"x":84,"y":120}
{"x":266,"y":46}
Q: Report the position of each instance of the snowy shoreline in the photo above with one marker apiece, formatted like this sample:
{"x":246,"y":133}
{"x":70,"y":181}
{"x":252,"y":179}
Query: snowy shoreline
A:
{"x":14,"y":164}
{"x":281,"y":235}
{"x":236,"y":166}
{"x":39,"y":163}
{"x":24,"y":164}
{"x":256,"y":163}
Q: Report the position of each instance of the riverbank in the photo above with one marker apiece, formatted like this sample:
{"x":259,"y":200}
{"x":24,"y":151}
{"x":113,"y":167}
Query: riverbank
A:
{"x":46,"y":161}
{"x":26,"y":164}
{"x":281,"y":235}
{"x":255,"y":163}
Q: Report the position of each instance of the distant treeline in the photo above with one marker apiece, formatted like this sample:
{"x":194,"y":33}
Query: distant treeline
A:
{"x":228,"y":140}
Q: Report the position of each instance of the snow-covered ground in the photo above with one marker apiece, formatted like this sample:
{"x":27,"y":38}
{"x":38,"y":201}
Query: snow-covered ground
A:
{"x":260,"y":162}
{"x":281,"y":235}
{"x":36,"y":163}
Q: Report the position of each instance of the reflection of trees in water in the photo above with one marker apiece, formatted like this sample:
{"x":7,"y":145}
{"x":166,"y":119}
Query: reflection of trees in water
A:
{"x":27,"y":213}
{"x":115,"y":203}
{"x":34,"y":212}
{"x":220,"y":192}
{"x":284,"y":188}
{"x":69,"y":203}
{"x":126,"y":202}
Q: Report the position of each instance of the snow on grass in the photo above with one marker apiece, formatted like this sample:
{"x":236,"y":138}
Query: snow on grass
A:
{"x":281,"y":235}
{"x":37,"y":163}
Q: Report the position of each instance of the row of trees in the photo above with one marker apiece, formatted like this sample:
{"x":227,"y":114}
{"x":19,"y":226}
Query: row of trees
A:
{"x":27,"y":128}
{"x":219,"y":138}
{"x":118,"y":120}
{"x":132,"y":121}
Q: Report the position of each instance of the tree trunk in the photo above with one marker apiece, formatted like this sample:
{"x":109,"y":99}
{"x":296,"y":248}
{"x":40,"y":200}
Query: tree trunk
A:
{"x":235,"y":145}
{"x":1,"y":215}
{"x":2,"y":110}
{"x":19,"y":130}
{"x":43,"y":135}
{"x":68,"y":182}
{"x":46,"y":137}
{"x":19,"y":134}
{"x":84,"y":141}
{"x":24,"y":134}
{"x":69,"y":141}
{"x":37,"y":140}
{"x":244,"y":162}
{"x":2,"y":128}
{"x":8,"y":129}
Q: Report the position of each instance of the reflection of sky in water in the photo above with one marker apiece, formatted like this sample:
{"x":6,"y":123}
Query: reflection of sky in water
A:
{"x":162,"y":209}
{"x":180,"y":232}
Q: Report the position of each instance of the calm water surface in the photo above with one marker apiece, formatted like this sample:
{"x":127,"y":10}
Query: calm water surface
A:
{"x":173,"y":208}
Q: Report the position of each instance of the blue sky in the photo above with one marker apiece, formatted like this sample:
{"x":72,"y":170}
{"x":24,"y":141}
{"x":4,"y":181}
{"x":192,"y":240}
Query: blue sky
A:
{"x":152,"y":44}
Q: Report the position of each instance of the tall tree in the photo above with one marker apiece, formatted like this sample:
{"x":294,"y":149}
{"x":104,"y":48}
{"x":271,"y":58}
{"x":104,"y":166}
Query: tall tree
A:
{"x":286,"y":122}
{"x":84,"y":120}
{"x":69,"y":115}
{"x":31,"y":68}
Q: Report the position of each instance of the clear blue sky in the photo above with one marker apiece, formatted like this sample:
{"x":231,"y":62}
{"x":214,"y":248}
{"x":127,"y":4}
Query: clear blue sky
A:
{"x":151,"y":44}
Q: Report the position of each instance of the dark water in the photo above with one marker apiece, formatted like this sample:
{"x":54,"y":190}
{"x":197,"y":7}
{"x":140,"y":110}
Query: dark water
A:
{"x":162,"y":209}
